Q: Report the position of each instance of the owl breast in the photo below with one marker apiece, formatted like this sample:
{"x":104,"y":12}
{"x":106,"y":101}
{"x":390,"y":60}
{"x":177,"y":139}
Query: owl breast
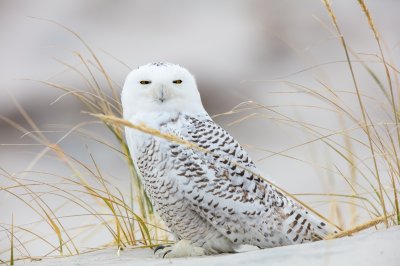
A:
{"x":160,"y":163}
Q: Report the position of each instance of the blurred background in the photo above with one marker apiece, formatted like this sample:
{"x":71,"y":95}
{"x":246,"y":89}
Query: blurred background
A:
{"x":236,"y":50}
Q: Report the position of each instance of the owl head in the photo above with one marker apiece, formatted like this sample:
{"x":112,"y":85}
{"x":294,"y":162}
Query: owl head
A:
{"x":160,"y":87}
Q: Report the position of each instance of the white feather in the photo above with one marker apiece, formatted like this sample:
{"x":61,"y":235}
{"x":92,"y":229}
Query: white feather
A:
{"x":215,"y":201}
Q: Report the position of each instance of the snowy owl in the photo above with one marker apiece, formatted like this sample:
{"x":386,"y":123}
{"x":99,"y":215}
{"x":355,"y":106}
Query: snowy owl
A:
{"x":214,"y":201}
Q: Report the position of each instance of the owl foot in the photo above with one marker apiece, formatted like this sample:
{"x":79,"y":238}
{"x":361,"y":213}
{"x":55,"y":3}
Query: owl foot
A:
{"x":181,"y":249}
{"x":160,"y":247}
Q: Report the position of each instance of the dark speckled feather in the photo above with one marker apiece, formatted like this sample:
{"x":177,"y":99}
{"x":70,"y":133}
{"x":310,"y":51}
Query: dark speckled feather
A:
{"x":215,"y":200}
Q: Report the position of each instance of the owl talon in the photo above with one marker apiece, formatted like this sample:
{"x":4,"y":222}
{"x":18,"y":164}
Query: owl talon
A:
{"x":161,"y":247}
{"x":181,"y":249}
{"x":158,"y":248}
{"x":168,"y":251}
{"x":161,"y":251}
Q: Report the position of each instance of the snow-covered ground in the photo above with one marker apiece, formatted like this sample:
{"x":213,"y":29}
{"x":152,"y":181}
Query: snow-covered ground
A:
{"x":373,"y":248}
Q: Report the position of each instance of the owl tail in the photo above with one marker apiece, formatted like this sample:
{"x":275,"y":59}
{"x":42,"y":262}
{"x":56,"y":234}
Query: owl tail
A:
{"x":302,"y":226}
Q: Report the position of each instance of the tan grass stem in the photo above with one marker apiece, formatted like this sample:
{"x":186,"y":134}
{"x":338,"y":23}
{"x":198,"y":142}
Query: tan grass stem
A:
{"x":360,"y":227}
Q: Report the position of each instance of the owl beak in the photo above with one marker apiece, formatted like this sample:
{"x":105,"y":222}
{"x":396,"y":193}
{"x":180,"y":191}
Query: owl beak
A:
{"x":162,"y":94}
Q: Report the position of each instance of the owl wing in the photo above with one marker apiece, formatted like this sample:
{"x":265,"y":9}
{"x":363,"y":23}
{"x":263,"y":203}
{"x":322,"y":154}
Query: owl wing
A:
{"x":224,"y":187}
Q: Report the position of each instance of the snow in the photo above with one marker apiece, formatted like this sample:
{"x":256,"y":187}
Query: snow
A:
{"x":372,"y":248}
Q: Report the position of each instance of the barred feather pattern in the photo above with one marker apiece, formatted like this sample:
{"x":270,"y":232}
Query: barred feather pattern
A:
{"x":216,"y":200}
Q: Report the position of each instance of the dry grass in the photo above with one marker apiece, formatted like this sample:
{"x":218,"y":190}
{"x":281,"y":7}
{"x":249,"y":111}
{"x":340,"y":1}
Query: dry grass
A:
{"x":130,"y":220}
{"x":376,"y":141}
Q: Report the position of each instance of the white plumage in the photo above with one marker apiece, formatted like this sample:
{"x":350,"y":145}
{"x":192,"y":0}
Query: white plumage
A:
{"x":212,"y":202}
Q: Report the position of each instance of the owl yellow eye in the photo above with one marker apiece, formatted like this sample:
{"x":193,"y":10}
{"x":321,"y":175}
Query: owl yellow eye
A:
{"x":178,"y":81}
{"x":144,"y":82}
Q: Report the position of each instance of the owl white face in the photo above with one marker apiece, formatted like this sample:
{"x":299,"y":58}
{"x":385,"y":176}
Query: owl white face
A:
{"x":160,"y":87}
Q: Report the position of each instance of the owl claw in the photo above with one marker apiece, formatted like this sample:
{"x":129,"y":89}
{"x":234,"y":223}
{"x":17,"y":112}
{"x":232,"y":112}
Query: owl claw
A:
{"x":168,"y":251}
{"x":162,"y":251}
{"x":181,"y":249}
{"x":158,"y":248}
